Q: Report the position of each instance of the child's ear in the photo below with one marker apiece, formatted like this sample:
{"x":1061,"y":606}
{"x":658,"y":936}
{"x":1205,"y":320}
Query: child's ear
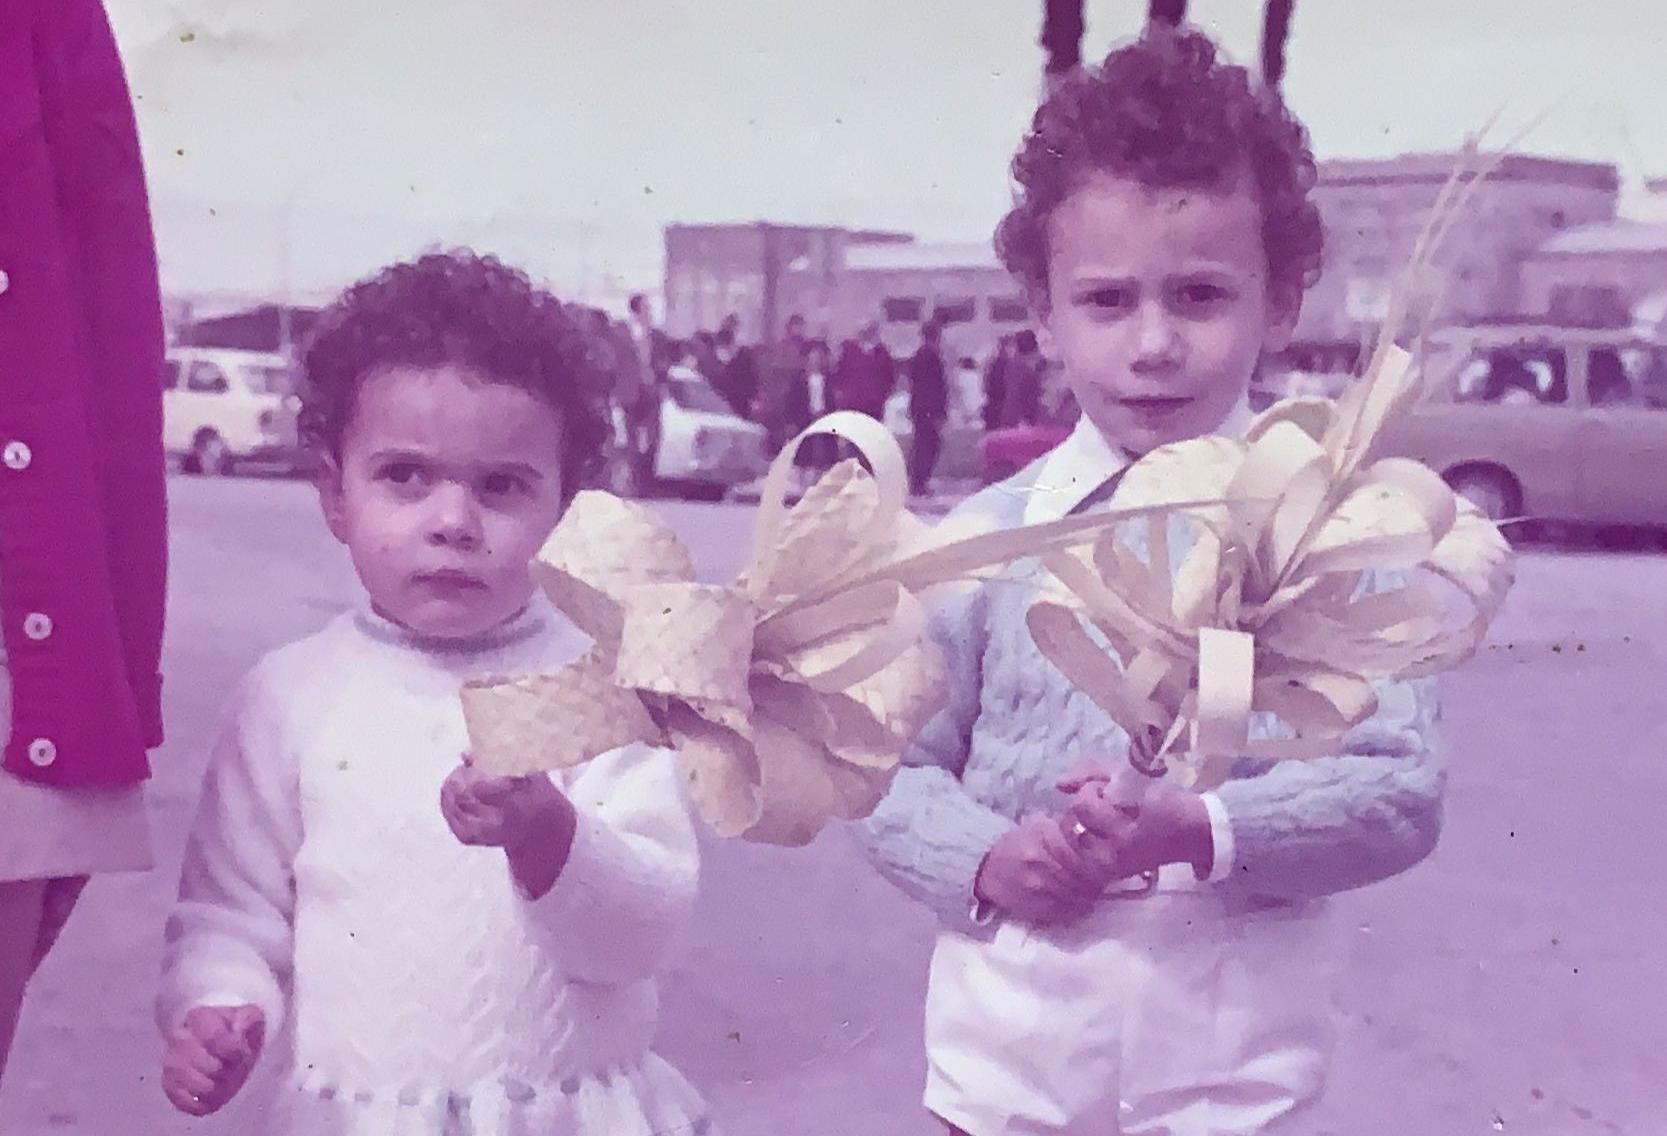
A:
{"x":1041,"y":314}
{"x":1044,"y":339}
{"x":332,"y":496}
{"x":1284,"y":309}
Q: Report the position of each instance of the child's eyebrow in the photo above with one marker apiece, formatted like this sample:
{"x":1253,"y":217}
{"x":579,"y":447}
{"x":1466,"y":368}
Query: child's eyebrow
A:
{"x":520,"y":469}
{"x":380,"y":456}
{"x":1100,"y":279}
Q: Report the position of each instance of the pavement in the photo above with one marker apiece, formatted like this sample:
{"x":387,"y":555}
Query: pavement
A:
{"x":1510,"y":984}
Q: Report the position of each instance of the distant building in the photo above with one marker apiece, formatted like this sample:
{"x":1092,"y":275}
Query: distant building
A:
{"x":761,"y":272}
{"x":1598,"y":273}
{"x":1374,"y":210}
{"x":901,"y":286}
{"x":838,"y":279}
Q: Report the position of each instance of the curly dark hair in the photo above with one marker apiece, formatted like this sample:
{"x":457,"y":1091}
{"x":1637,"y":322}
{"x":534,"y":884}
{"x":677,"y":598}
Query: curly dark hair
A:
{"x":463,"y":309}
{"x":1168,"y":112}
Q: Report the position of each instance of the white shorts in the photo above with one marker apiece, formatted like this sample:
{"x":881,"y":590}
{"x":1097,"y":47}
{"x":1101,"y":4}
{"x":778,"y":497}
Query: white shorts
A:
{"x":1166,"y":1015}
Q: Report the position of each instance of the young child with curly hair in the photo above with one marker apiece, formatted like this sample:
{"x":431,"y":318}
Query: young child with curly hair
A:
{"x":455,"y":953}
{"x":1110,"y":961}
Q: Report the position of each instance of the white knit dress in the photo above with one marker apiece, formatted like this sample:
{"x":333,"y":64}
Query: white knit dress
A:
{"x":428,"y":994}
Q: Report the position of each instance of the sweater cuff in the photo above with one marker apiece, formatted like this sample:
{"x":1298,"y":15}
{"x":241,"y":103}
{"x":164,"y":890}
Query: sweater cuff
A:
{"x":957,"y":864}
{"x":172,"y":1012}
{"x":1221,"y":840}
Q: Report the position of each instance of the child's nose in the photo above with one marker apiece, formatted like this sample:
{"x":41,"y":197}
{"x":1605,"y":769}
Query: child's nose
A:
{"x":1156,"y":335}
{"x":455,"y":521}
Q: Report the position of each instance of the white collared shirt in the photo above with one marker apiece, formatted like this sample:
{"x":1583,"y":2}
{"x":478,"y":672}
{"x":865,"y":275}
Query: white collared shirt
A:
{"x":1086,"y":460}
{"x":1078,"y":466}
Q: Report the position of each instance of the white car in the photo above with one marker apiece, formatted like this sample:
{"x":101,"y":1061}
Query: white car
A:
{"x":705,"y":447}
{"x":223,"y":407}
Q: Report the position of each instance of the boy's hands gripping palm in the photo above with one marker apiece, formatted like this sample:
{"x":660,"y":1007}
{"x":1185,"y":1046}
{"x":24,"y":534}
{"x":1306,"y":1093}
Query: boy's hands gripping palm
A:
{"x":1051,"y":870}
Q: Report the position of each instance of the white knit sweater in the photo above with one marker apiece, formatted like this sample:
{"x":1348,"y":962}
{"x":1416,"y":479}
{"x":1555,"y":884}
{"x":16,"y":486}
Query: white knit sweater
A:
{"x":428,"y":993}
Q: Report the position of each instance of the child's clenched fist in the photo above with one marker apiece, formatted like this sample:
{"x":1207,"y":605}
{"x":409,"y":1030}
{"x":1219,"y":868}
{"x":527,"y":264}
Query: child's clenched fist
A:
{"x":210,"y":1056}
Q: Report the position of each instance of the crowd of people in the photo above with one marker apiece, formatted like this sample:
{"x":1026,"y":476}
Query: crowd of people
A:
{"x":785,"y":384}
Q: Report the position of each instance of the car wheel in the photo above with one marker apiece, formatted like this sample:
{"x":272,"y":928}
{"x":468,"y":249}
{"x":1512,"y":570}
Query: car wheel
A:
{"x":209,"y":455}
{"x":1493,"y":491}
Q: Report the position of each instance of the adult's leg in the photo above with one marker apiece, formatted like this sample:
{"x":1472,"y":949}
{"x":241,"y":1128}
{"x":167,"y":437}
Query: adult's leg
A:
{"x":20,"y":931}
{"x":923,"y":455}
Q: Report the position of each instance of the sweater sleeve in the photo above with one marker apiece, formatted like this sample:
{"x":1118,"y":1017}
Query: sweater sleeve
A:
{"x":229,"y":938}
{"x":627,"y":890}
{"x":1311,"y":828}
{"x":929,"y":835}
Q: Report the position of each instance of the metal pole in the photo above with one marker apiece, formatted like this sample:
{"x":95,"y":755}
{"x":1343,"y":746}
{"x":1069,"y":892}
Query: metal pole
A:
{"x":767,"y":334}
{"x":1062,"y":28}
{"x":1276,"y":30}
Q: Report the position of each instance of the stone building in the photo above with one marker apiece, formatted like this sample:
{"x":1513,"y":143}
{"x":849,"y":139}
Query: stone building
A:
{"x":760,"y":272}
{"x":1374,"y":210}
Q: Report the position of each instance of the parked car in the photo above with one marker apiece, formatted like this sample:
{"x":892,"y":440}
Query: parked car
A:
{"x":1554,"y":423}
{"x":222,"y":408}
{"x":1004,"y":452}
{"x":705,"y":447}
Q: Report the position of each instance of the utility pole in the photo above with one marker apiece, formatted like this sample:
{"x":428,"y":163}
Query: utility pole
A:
{"x":1276,"y":30}
{"x":1062,"y":27}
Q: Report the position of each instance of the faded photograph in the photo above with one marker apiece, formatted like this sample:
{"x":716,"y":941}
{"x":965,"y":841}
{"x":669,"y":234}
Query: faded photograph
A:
{"x":564,"y":568}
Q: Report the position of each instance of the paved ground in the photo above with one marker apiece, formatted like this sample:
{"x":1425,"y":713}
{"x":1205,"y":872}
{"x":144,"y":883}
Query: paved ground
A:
{"x":1510,"y":984}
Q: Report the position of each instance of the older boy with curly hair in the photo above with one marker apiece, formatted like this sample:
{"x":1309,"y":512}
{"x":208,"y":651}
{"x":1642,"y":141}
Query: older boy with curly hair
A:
{"x":456,"y":952}
{"x":1110,"y":961}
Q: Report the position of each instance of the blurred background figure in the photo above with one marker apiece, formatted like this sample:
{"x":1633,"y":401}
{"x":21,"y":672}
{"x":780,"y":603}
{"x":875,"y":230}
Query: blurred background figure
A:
{"x":928,"y":406}
{"x":1023,"y":381}
{"x":639,"y":377}
{"x":736,"y":364}
{"x":995,"y":382}
{"x":865,"y":375}
{"x":783,"y":403}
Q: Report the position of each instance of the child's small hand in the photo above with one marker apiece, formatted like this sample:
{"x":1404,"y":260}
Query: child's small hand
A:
{"x":1036,"y":874}
{"x":1105,"y":808}
{"x":1145,"y":823}
{"x":528,"y":817}
{"x":497,"y":812}
{"x":210,"y":1056}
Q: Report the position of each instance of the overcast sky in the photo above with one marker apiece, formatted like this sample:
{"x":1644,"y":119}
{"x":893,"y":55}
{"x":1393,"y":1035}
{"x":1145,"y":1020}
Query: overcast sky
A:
{"x":564,"y":133}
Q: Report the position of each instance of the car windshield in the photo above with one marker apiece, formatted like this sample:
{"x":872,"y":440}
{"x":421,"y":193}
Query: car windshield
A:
{"x":693,"y":395}
{"x":1519,"y":373}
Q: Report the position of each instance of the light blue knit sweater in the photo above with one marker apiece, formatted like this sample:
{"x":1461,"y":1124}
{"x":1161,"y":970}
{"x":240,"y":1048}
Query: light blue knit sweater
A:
{"x":1013,"y":726}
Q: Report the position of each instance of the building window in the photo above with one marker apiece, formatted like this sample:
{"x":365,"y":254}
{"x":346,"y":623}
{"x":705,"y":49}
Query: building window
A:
{"x":1008,"y":309}
{"x":962,"y":309}
{"x":903,"y":309}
